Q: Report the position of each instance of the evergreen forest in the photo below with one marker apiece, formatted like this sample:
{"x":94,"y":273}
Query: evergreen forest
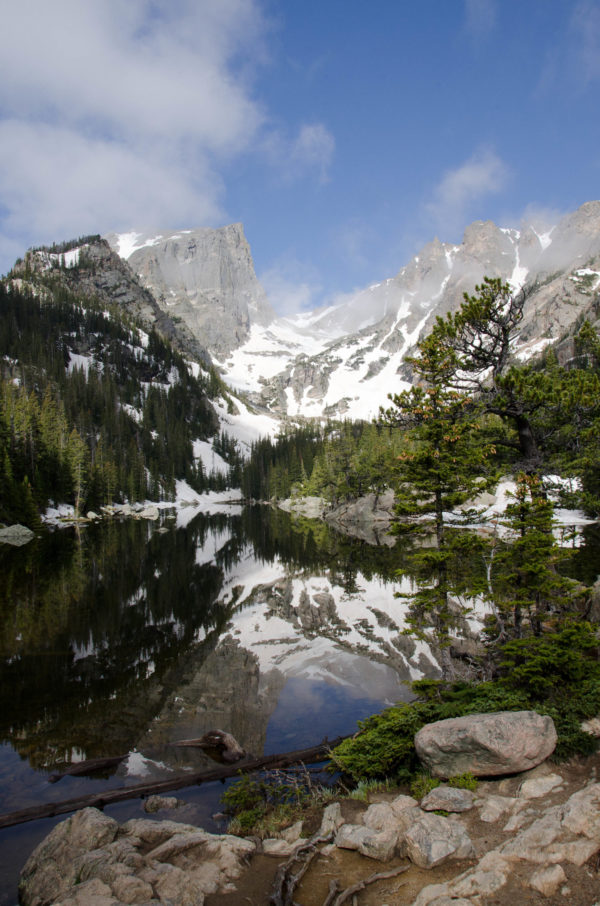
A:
{"x":93,"y":409}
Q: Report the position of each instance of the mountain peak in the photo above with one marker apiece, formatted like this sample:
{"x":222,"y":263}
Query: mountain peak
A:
{"x":203,"y":276}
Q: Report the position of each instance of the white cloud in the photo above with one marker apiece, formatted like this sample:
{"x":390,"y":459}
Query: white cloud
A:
{"x":119,"y":114}
{"x":540,"y":217}
{"x":310,"y":152}
{"x":480,"y":18}
{"x":291,"y":288}
{"x":132,"y":69}
{"x":55,"y":182}
{"x":585,"y":40}
{"x":313,"y":149}
{"x":460,"y":189}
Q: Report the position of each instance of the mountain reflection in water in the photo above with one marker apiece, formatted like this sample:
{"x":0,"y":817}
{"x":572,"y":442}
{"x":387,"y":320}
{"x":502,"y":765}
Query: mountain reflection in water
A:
{"x":125,"y":637}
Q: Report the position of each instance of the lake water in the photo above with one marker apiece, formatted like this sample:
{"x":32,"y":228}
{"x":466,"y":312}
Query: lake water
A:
{"x":125,"y":637}
{"x":122,"y":638}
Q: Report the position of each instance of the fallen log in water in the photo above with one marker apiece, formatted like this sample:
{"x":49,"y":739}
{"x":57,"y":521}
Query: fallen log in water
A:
{"x":107,"y":797}
{"x":91,"y":766}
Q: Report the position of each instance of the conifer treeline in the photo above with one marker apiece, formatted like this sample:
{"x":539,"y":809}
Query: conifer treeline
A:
{"x":92,"y":410}
{"x":339,"y":461}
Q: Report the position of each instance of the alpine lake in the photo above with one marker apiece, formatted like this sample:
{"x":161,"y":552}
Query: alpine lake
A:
{"x":123,"y":637}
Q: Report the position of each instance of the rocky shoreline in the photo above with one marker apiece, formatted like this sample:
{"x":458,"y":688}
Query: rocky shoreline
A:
{"x":531,"y":837}
{"x":538,"y":829}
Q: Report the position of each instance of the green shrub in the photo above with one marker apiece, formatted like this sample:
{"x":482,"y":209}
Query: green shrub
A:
{"x":264,"y":802}
{"x":464,"y":781}
{"x":423,"y":784}
{"x":543,"y":666}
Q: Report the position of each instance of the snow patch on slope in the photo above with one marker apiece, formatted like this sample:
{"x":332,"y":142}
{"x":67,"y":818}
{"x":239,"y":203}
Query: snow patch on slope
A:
{"x":245,"y":426}
{"x":268,"y":351}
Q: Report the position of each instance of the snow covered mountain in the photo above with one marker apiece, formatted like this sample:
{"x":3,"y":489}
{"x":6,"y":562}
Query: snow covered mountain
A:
{"x":345,"y":359}
{"x":204,"y":278}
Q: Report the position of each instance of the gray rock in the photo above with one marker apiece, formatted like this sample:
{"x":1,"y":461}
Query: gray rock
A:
{"x":16,"y":535}
{"x":448,"y":799}
{"x":368,"y":517}
{"x":432,"y":839}
{"x":379,"y":845}
{"x":548,"y":880}
{"x":535,"y":787}
{"x":278,"y":847}
{"x":52,"y":867}
{"x":504,"y":742}
{"x":153,"y":833}
{"x":156,"y":803}
{"x":89,"y":861}
{"x":176,"y":886}
{"x":293,"y":833}
{"x":91,"y":893}
{"x":331,"y":820}
{"x":132,"y":890}
{"x":311,"y":507}
{"x":376,"y":844}
{"x":581,"y":814}
{"x":206,"y":278}
{"x":380,"y":816}
{"x":401,"y":803}
{"x":350,"y":836}
{"x":564,"y":833}
{"x":494,"y":807}
{"x":149,"y":512}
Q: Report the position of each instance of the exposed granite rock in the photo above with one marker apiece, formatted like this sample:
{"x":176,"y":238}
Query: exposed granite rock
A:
{"x":157,"y":803}
{"x":368,"y":517}
{"x":433,"y":839}
{"x":16,"y":535}
{"x":206,"y":278}
{"x":311,"y":507}
{"x":448,"y":799}
{"x":555,"y":835}
{"x":332,"y":819}
{"x":561,"y":267}
{"x":504,"y":742}
{"x":88,"y":859}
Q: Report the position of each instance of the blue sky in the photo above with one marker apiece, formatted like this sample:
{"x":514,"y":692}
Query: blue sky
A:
{"x":344,"y":135}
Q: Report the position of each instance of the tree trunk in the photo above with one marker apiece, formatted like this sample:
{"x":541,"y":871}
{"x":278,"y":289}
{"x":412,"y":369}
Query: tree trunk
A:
{"x":527,"y":442}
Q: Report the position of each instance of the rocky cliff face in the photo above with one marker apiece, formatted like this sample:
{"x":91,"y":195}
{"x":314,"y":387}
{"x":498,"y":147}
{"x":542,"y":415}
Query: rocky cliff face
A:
{"x":204,"y":279}
{"x":93,"y":269}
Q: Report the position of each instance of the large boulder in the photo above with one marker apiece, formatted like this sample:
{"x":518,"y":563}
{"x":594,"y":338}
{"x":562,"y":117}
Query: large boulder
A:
{"x":91,"y":860}
{"x":504,"y":742}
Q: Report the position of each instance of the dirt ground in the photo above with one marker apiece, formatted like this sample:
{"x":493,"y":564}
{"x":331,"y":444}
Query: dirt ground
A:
{"x":582,"y":887}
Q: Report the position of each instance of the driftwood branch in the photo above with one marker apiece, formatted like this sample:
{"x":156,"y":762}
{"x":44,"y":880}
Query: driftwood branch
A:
{"x":345,"y":895}
{"x":178,"y":782}
{"x":285,"y":880}
{"x":333,"y":889}
{"x":219,"y":745}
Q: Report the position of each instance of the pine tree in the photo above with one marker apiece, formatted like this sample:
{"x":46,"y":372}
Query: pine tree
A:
{"x":526,"y":586}
{"x":446,"y":464}
{"x":78,"y":459}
